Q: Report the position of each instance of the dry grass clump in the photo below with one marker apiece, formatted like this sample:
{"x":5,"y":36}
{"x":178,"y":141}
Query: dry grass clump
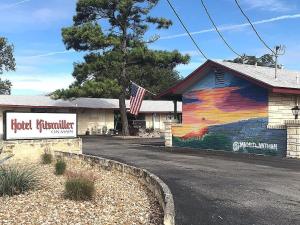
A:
{"x":47,"y":158}
{"x":60,"y":167}
{"x":79,"y":186}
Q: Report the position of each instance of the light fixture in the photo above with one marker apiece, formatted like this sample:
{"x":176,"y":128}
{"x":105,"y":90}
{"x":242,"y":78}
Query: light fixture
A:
{"x":295,"y":111}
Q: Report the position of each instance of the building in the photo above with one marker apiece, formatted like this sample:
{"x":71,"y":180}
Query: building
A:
{"x":239,"y":108}
{"x":94,"y":115}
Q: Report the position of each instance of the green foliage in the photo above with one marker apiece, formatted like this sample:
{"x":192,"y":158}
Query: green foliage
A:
{"x":79,"y":187}
{"x":266,"y":60}
{"x":60,"y":167}
{"x":47,"y":158}
{"x":7,"y":63}
{"x":93,"y":89}
{"x":119,"y":53}
{"x":5,"y":87}
{"x":16,"y":180}
{"x":7,"y":60}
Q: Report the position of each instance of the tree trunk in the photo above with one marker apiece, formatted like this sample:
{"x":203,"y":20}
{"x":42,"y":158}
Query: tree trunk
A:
{"x":124,"y":83}
{"x":122,"y":105}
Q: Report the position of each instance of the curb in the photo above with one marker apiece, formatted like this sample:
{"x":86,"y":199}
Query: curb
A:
{"x":152,"y":182}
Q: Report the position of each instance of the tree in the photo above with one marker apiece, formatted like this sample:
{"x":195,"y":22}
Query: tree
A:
{"x":7,"y":63}
{"x":113,"y":31}
{"x":266,"y":60}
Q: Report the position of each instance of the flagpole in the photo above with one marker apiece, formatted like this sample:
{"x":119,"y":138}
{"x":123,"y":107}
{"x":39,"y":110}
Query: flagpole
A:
{"x":144,"y":88}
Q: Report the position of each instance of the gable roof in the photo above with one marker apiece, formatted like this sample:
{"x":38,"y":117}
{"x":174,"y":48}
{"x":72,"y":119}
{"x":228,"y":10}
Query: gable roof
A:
{"x":87,"y":103}
{"x":286,"y":81}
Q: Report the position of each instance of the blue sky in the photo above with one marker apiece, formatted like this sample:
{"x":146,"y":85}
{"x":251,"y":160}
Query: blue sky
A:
{"x":43,"y":64}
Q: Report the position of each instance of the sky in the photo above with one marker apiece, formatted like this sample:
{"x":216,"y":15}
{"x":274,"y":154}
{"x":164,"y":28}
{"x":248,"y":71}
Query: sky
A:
{"x":44,"y":64}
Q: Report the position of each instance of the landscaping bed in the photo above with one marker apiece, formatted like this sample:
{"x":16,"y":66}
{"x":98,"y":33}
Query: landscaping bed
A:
{"x":119,"y":199}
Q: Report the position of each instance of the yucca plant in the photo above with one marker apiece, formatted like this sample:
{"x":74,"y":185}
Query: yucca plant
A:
{"x":60,"y":167}
{"x":15,"y":180}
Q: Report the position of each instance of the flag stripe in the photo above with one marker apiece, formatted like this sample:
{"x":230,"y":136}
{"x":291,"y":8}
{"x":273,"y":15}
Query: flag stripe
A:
{"x":136,"y":98}
{"x":138,"y":102}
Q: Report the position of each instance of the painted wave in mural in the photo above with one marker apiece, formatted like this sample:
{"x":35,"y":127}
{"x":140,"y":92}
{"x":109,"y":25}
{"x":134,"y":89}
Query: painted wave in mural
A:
{"x":248,"y":136}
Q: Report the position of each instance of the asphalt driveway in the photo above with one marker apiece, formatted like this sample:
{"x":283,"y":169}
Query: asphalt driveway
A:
{"x":215,"y":188}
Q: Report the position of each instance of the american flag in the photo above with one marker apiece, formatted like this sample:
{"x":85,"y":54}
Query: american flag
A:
{"x":136,"y":98}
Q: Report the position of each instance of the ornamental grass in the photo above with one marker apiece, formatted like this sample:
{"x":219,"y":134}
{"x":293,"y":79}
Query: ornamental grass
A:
{"x":16,"y":180}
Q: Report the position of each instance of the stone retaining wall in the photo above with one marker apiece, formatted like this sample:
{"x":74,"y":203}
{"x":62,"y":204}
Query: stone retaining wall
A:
{"x":151,"y":181}
{"x":33,"y":149}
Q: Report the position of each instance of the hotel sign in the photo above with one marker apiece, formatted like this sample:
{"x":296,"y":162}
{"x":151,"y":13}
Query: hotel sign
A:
{"x":18,"y":126}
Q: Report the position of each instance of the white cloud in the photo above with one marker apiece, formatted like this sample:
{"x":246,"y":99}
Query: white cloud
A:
{"x":50,"y":54}
{"x":269,"y":5}
{"x":8,"y":6}
{"x":235,"y":26}
{"x":40,"y":82}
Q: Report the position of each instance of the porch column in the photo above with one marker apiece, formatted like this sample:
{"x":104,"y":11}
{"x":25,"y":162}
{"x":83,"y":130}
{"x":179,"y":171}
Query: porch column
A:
{"x":175,"y":109}
{"x":293,"y":138}
{"x":168,"y":134}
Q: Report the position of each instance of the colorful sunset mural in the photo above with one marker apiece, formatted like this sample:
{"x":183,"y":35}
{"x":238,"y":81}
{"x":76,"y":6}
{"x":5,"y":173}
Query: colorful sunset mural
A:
{"x":219,"y":116}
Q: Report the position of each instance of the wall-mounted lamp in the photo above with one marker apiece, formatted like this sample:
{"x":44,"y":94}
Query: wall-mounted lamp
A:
{"x":295,"y":111}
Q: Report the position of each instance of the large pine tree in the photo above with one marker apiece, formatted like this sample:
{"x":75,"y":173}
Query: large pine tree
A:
{"x":113,"y":33}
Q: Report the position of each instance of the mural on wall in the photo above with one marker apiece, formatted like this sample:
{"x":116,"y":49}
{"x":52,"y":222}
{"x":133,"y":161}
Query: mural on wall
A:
{"x":229,"y":115}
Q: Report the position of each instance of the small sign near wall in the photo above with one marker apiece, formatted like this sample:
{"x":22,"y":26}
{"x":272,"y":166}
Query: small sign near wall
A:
{"x":24,"y":126}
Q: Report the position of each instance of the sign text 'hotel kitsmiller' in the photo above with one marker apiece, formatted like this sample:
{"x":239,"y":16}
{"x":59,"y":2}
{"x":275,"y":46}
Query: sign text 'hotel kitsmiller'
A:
{"x":40,"y":125}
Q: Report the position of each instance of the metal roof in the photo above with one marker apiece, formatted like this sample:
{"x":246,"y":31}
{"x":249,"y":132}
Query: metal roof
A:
{"x":286,"y":81}
{"x":90,"y":103}
{"x":285,"y":78}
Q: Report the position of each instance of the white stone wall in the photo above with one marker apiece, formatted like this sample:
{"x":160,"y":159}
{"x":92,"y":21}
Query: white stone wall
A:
{"x":293,"y":138}
{"x":31,"y":150}
{"x":280,"y":108}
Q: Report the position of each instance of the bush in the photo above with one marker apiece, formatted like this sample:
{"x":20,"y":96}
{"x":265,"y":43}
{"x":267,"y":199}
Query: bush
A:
{"x":79,"y":187}
{"x":47,"y":158}
{"x":16,"y":180}
{"x":60,"y":167}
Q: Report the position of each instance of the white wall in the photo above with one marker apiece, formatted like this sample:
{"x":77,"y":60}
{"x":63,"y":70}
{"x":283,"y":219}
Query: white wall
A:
{"x":94,"y":120}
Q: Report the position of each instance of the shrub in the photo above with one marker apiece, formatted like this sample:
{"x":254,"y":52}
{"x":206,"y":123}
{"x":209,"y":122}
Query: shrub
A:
{"x":79,"y":187}
{"x":60,"y":167}
{"x":47,"y":158}
{"x":16,"y":180}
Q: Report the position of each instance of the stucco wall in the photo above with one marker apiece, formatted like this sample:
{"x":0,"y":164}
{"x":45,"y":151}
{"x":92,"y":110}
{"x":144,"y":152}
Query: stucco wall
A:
{"x":230,"y":114}
{"x":94,"y":120}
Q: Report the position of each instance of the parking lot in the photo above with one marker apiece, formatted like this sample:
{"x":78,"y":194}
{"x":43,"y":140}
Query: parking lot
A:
{"x":214,"y":187}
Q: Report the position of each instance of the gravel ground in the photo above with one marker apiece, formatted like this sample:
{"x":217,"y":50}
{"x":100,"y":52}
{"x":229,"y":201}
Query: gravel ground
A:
{"x":120,"y":199}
